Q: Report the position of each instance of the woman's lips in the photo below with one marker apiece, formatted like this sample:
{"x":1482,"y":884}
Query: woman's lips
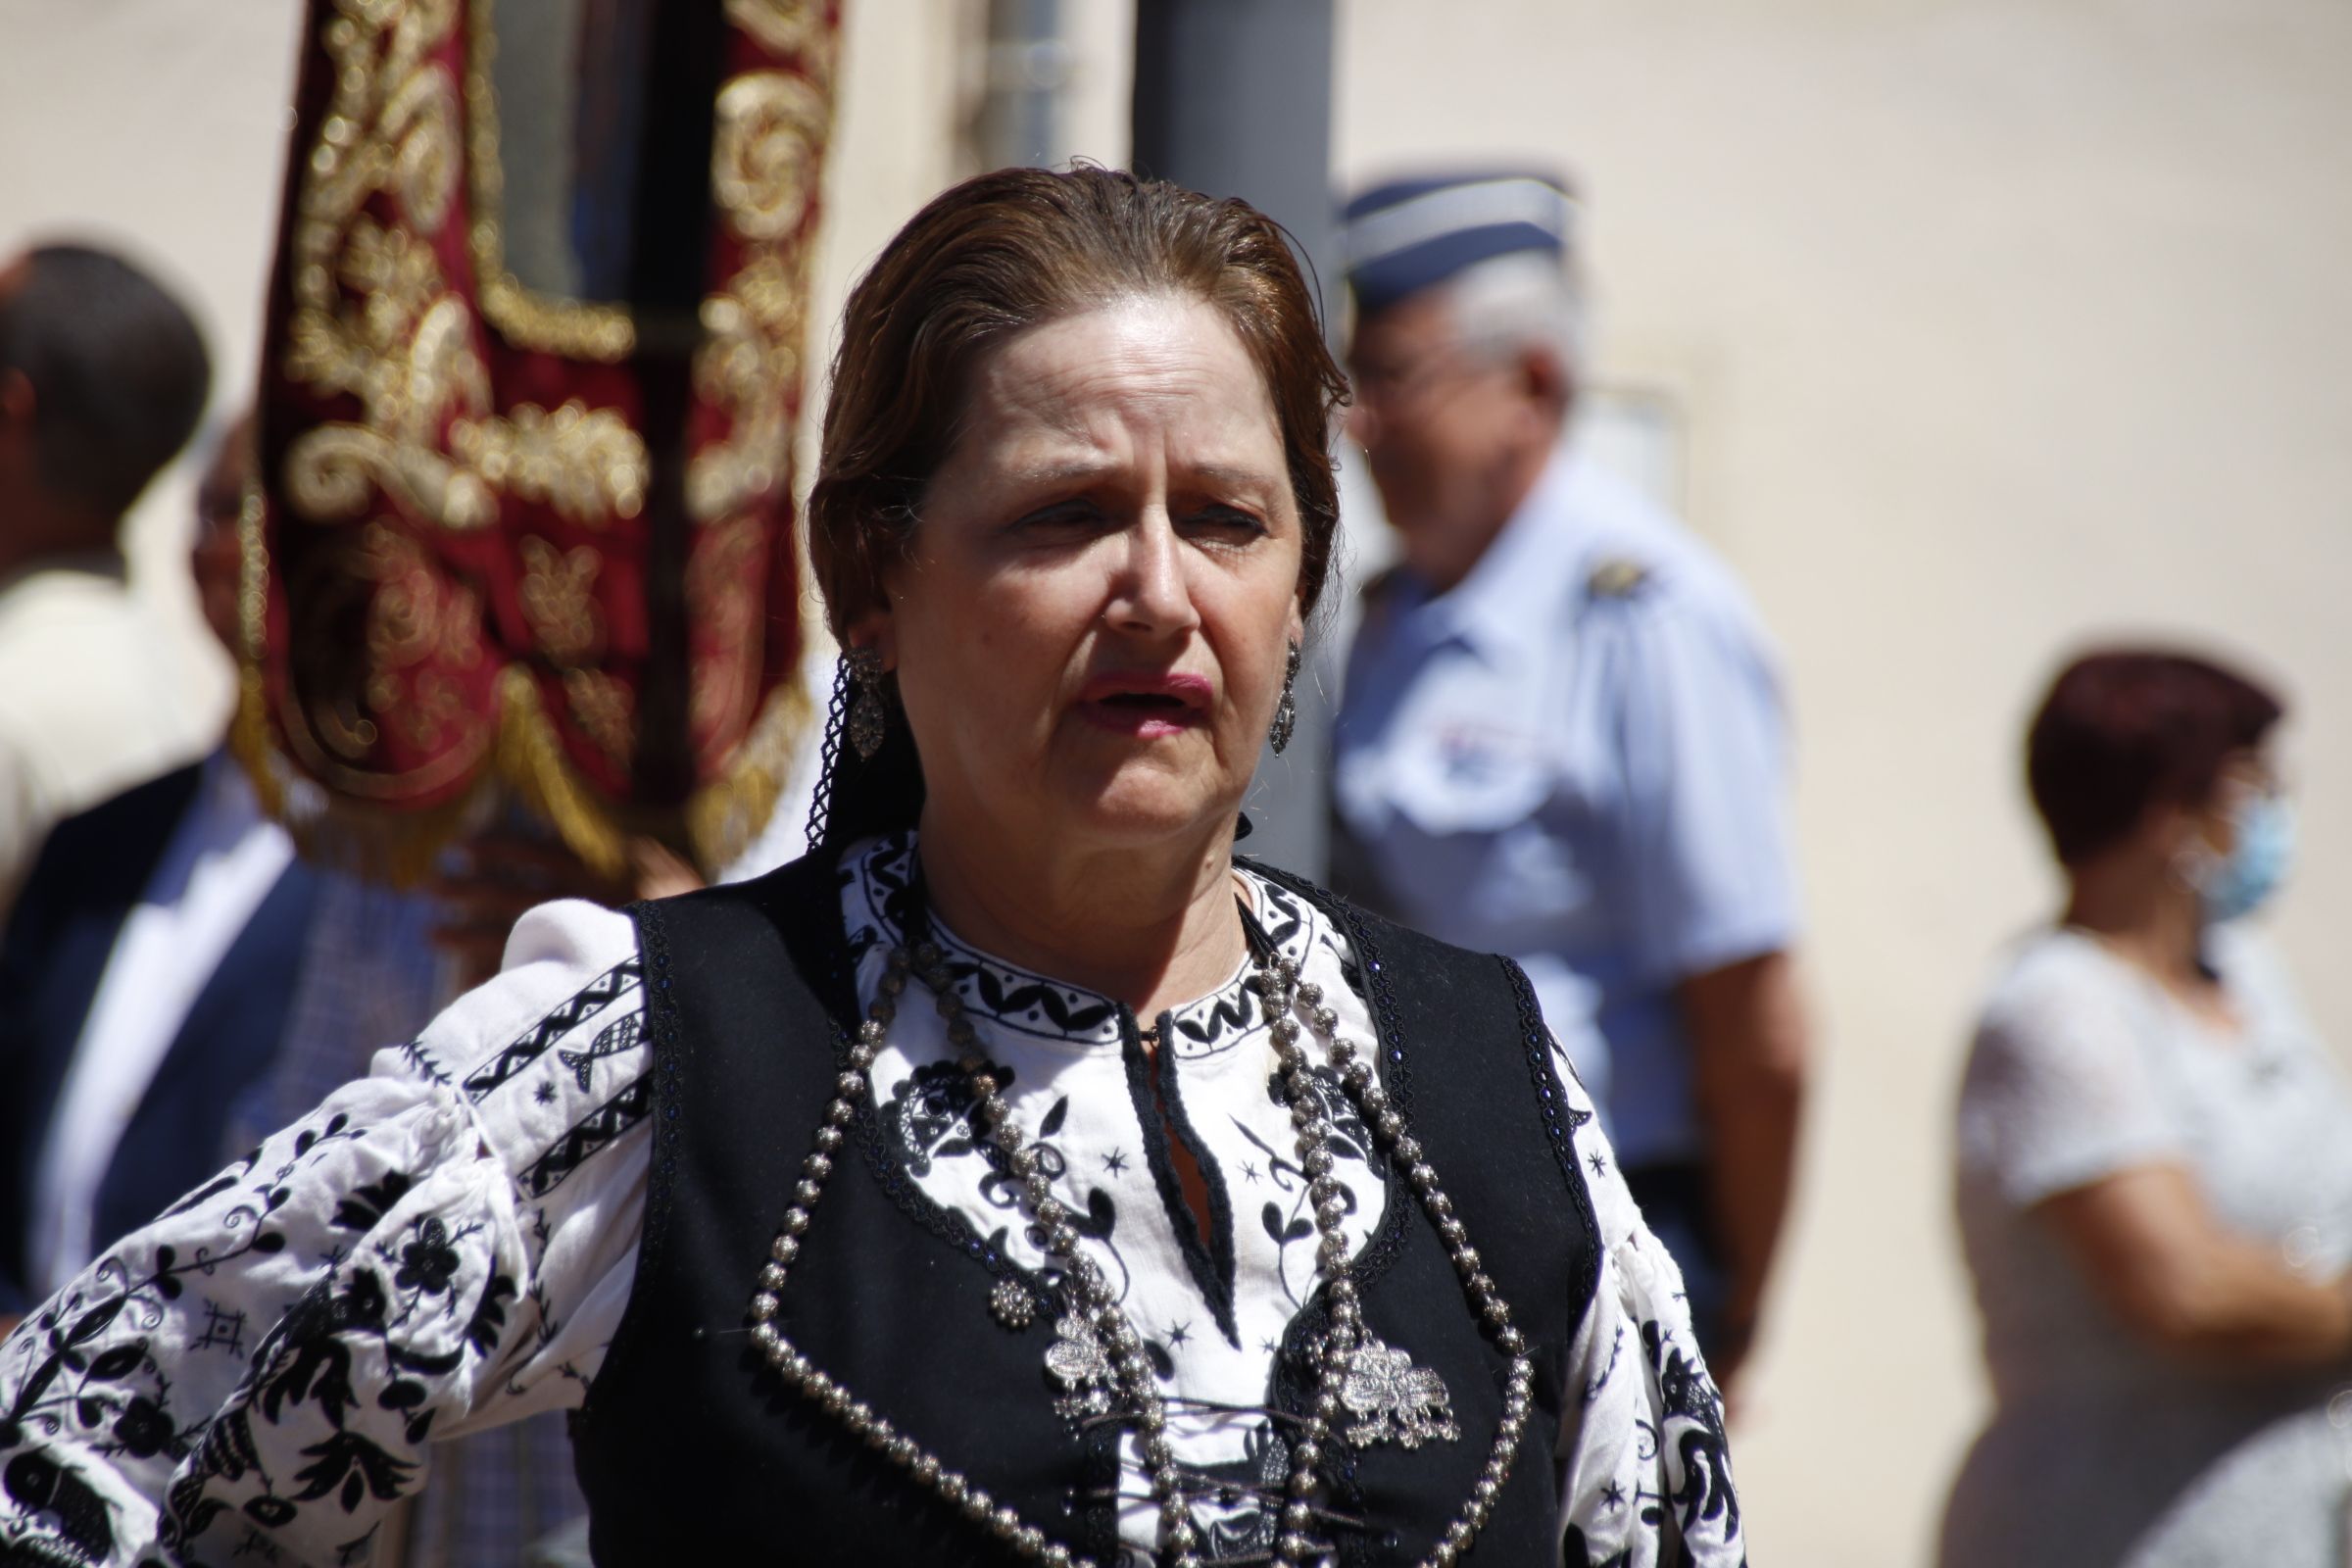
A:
{"x":1146,"y":707}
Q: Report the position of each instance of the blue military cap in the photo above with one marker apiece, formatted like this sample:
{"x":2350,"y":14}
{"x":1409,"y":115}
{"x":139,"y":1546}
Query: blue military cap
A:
{"x":1400,"y":237}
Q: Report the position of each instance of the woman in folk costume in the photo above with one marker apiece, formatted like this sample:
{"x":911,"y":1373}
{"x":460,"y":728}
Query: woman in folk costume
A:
{"x":1020,"y":1176}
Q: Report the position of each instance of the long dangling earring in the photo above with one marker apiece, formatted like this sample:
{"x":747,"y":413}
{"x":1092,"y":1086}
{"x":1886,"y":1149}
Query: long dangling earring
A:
{"x":1286,"y":711}
{"x":867,"y":722}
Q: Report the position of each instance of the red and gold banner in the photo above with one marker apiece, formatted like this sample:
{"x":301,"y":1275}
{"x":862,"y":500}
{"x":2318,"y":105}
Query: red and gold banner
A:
{"x":505,"y":537}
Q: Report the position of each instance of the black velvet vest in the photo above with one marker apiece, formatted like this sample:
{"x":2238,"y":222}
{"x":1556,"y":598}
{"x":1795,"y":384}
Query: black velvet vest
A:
{"x":689,"y":1445}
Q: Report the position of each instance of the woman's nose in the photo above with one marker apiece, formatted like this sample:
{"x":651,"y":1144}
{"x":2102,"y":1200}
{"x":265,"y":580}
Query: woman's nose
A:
{"x":1154,"y":598}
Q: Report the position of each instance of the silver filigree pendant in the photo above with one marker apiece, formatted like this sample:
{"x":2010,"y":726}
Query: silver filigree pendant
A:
{"x":1013,"y":1305}
{"x":1394,"y":1400}
{"x":1079,"y":1363}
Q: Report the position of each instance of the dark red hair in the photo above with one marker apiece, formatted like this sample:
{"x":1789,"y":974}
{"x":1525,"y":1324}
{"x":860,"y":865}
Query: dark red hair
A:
{"x":1014,"y":248}
{"x":991,"y":257}
{"x":2126,"y":730}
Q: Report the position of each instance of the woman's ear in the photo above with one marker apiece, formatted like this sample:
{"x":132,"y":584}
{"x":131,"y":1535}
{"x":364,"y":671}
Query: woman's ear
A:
{"x":875,"y":629}
{"x":1296,"y":629}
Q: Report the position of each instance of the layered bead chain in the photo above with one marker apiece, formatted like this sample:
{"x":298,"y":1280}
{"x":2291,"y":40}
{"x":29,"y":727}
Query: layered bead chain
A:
{"x":1344,"y":1346}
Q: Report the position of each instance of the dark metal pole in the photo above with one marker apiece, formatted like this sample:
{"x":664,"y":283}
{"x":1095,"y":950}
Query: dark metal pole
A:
{"x":1233,"y":97}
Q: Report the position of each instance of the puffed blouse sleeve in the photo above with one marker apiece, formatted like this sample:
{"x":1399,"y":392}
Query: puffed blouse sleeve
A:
{"x":1645,"y":1465}
{"x":442,"y":1246}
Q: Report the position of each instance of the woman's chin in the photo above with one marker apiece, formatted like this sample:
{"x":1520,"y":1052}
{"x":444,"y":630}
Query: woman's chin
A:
{"x":1140,"y":805}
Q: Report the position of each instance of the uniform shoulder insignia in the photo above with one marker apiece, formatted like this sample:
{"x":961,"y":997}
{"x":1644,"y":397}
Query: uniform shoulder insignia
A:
{"x":1617,"y":577}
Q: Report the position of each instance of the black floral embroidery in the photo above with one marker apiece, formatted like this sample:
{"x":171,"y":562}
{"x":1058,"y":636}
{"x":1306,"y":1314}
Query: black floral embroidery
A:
{"x":38,"y":1485}
{"x":1351,"y":1139}
{"x":1691,"y":1405}
{"x":1237,"y":1506}
{"x":1206,"y":1025}
{"x":364,"y":1207}
{"x":1575,"y":1554}
{"x":429,"y":1263}
{"x":80,"y":1376}
{"x":928,"y":1115}
{"x":490,"y":1315}
{"x":321,"y":1411}
{"x":143,"y":1429}
{"x":1608,"y":1370}
{"x":1290,"y":1219}
{"x":350,"y":1465}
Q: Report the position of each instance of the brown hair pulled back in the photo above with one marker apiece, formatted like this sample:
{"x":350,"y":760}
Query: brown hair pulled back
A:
{"x":1015,"y":249}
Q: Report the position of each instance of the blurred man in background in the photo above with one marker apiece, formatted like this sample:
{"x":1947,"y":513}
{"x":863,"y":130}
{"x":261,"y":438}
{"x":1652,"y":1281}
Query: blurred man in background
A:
{"x":1561,"y":736}
{"x":147,"y":973}
{"x":102,"y":377}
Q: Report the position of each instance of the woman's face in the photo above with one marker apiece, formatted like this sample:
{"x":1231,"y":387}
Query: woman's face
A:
{"x":1090,"y":624}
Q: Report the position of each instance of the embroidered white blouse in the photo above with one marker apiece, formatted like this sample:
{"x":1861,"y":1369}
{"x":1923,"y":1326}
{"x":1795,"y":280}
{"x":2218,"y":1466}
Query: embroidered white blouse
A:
{"x":448,"y":1245}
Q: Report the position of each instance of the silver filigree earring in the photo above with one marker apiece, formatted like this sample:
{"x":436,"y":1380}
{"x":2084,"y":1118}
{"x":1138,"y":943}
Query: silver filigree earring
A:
{"x":1286,"y":711}
{"x":867,"y":722}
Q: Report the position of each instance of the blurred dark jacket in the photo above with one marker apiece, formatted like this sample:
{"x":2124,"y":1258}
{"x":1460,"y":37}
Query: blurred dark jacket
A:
{"x":95,"y":870}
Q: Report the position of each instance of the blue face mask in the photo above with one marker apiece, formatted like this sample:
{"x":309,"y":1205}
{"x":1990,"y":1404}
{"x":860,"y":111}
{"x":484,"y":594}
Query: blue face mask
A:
{"x":2243,"y":882}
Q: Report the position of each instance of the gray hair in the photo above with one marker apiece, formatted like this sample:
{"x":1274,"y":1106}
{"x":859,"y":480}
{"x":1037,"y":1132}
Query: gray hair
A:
{"x":1525,"y":300}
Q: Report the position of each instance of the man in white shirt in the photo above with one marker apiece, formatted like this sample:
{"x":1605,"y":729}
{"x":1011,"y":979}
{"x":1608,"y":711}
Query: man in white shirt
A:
{"x":102,"y":379}
{"x":148,"y":972}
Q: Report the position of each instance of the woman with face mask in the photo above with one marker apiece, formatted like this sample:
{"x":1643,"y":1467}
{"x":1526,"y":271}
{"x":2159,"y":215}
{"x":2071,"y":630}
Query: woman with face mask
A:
{"x":2155,"y":1159}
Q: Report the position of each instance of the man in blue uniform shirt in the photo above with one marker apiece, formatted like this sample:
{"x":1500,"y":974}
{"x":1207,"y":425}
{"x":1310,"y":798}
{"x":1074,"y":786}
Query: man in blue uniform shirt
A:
{"x":1561,"y":736}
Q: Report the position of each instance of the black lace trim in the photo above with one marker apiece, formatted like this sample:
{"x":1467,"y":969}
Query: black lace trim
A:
{"x":1093,"y":1505}
{"x":1559,"y":1125}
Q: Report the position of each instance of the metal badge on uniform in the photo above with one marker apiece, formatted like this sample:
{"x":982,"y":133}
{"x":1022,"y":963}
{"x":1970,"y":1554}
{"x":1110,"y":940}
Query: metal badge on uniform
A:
{"x":1618,"y":578}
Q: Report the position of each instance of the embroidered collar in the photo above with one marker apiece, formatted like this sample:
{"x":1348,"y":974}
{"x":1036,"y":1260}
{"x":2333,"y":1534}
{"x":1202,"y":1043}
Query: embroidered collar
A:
{"x":878,"y":877}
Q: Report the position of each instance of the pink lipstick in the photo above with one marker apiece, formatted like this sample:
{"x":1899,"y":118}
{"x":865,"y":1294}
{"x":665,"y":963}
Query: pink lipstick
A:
{"x":1146,"y":705}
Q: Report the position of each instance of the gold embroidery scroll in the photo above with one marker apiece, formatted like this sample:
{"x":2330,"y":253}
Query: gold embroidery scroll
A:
{"x":453,"y":567}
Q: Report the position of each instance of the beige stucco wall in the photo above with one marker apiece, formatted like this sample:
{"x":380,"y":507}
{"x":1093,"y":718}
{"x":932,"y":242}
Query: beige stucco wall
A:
{"x":1994,"y":325}
{"x":1989,"y":326}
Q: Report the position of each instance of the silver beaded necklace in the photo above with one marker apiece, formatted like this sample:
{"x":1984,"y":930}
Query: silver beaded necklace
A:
{"x":1098,"y":1354}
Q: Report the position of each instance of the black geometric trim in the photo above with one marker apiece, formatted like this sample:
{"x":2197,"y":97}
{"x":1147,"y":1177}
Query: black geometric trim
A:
{"x":889,"y":883}
{"x":593,"y":1132}
{"x":661,"y":1081}
{"x":584,"y":1004}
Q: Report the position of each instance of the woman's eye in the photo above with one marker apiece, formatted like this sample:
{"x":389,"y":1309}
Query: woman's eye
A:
{"x":1230,"y":521}
{"x":1061,"y":517}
